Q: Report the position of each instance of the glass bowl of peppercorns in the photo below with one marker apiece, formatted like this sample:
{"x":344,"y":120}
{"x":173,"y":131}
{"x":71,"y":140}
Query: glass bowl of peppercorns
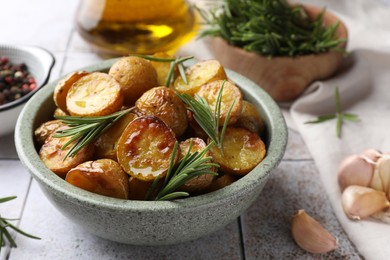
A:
{"x":23,"y":70}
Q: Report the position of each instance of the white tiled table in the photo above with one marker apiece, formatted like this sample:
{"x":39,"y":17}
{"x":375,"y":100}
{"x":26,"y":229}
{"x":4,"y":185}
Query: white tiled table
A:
{"x":262,"y":232}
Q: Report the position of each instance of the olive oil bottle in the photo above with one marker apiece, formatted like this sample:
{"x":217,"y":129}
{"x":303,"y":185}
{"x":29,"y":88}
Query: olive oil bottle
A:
{"x":123,"y":27}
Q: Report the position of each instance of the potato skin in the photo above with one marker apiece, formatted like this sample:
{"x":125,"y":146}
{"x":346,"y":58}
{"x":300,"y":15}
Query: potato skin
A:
{"x":221,"y":182}
{"x":46,"y":129}
{"x":145,"y":148}
{"x":202,"y":182}
{"x":104,"y":177}
{"x":106,"y":144}
{"x":199,"y":74}
{"x":166,"y":105}
{"x":63,"y":86}
{"x":135,"y":75}
{"x":243,"y":150}
{"x":96,"y":94}
{"x":231,"y":93}
{"x":53,"y":156}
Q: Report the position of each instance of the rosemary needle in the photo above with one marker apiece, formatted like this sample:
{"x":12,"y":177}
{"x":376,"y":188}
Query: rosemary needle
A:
{"x":207,"y":120}
{"x":84,"y":130}
{"x":189,"y":167}
{"x":339,"y":116}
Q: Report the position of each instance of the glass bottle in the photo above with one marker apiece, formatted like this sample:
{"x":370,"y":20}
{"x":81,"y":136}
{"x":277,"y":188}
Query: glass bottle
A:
{"x":136,"y":26}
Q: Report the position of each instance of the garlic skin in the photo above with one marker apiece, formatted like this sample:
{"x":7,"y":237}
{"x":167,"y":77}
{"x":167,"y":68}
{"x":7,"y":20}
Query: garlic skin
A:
{"x":361,"y":202}
{"x":371,"y":154}
{"x":355,"y":170}
{"x":310,"y":235}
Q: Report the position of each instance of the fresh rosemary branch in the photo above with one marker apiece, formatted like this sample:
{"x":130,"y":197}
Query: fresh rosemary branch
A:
{"x":179,"y":62}
{"x":339,"y":116}
{"x":84,"y":130}
{"x":206,"y":119}
{"x":269,"y":27}
{"x":4,"y":224}
{"x":189,"y":167}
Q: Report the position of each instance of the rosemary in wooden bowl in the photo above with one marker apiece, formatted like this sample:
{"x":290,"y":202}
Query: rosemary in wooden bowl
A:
{"x":270,"y":28}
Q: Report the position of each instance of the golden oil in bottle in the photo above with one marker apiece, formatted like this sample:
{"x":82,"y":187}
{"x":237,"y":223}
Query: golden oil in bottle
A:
{"x":136,"y":26}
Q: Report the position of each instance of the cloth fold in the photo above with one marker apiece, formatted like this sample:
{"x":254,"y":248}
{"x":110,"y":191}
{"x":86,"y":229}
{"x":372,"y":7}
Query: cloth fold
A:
{"x":364,"y":90}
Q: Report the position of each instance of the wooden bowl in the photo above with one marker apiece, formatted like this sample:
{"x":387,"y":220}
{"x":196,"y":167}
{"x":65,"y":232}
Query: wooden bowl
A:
{"x":284,"y":78}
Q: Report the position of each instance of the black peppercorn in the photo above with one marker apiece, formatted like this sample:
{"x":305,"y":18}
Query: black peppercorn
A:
{"x":15,"y":81}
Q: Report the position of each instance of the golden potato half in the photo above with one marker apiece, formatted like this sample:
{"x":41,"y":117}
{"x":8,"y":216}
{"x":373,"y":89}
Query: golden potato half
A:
{"x":231,"y":94}
{"x":250,"y":118}
{"x":199,"y":183}
{"x":46,"y":129}
{"x":162,"y":68}
{"x":135,"y":75}
{"x":53,"y":156}
{"x":96,"y":94}
{"x":199,"y":74}
{"x":104,"y":177}
{"x":106,"y":144}
{"x":166,"y":105}
{"x":63,"y":86}
{"x":242,"y":151}
{"x":145,"y":148}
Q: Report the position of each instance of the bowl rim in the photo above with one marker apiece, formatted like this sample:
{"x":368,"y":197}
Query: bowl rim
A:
{"x":29,"y":157}
{"x":48,"y":65}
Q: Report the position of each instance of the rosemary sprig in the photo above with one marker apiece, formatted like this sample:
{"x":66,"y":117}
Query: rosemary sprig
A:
{"x":339,"y":116}
{"x":269,"y":27}
{"x":84,"y":130}
{"x":206,"y":119}
{"x":179,"y":62}
{"x":189,"y":167}
{"x":5,"y":225}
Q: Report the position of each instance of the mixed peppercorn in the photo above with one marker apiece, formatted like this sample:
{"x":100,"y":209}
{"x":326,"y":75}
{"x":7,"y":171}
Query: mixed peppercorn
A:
{"x":15,"y":81}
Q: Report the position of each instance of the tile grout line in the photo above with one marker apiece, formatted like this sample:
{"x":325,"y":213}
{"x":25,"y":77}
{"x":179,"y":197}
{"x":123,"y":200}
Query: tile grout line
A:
{"x":66,"y":52}
{"x":239,"y":220}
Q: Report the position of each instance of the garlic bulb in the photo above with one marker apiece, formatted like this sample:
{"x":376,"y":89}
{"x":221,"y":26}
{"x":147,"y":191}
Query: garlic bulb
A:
{"x":355,"y":170}
{"x":361,"y":202}
{"x":310,"y":235}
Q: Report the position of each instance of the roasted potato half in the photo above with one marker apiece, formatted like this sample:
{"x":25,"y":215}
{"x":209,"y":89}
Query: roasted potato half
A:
{"x":145,"y":148}
{"x":63,"y":86}
{"x":135,"y":75}
{"x":250,"y":118}
{"x":162,"y":68}
{"x":106,"y":144}
{"x":199,"y":183}
{"x":231,"y":96}
{"x":59,"y":112}
{"x":199,"y":74}
{"x":46,"y":129}
{"x":166,"y":105}
{"x":53,"y":156}
{"x":96,"y":94}
{"x":104,"y":177}
{"x":243,"y":150}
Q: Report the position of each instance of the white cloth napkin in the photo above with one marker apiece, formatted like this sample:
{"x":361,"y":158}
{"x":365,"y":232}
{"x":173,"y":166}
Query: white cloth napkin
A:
{"x":365,"y":90}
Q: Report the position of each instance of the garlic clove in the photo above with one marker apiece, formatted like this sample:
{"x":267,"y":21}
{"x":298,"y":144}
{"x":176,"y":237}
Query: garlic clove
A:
{"x":381,"y":178}
{"x":310,"y":235}
{"x":371,"y":154}
{"x":354,"y":170}
{"x":361,"y":202}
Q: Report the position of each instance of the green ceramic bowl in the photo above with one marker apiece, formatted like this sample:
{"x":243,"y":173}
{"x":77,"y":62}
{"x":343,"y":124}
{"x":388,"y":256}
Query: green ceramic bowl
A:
{"x":150,"y":222}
